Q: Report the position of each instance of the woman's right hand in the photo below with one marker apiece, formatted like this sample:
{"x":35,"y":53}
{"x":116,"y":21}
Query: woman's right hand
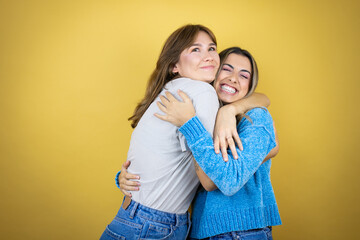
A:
{"x":127,"y":181}
{"x":176,"y":112}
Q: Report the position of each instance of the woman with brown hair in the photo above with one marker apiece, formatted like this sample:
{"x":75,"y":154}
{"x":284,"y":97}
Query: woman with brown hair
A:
{"x":158,"y":152}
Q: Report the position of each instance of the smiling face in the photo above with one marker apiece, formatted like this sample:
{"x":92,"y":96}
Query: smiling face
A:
{"x":200,"y":61}
{"x":234,"y":78}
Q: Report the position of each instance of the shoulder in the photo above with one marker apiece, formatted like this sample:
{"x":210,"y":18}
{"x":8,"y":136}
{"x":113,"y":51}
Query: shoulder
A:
{"x":258,"y":117}
{"x":191,"y":86}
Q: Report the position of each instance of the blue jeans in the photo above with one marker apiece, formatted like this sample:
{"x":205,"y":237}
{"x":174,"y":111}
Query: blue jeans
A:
{"x":256,"y":234}
{"x":140,"y":222}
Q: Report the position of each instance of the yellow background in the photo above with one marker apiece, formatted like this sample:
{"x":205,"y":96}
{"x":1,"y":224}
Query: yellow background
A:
{"x":72,"y":71}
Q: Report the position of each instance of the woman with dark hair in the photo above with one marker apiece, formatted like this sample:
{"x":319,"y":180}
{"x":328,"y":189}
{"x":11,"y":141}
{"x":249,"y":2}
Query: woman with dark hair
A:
{"x":158,"y":152}
{"x":238,"y":200}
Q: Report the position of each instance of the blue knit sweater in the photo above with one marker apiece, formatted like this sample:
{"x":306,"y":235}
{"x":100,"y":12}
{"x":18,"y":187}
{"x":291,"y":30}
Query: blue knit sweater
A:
{"x":245,"y":198}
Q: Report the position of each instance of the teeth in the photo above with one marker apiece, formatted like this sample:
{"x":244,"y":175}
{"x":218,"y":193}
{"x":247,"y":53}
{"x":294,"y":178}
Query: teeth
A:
{"x":228,"y":88}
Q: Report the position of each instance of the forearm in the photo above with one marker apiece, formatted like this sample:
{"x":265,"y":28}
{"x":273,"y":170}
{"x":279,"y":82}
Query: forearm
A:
{"x":245,"y":104}
{"x":205,"y":181}
{"x":229,"y":176}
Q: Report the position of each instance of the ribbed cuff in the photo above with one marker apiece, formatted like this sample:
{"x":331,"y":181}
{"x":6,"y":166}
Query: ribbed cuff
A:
{"x":117,"y":179}
{"x":192,"y":129}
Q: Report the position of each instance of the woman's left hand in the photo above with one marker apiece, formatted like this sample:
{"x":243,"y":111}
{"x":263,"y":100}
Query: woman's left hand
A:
{"x":176,"y":112}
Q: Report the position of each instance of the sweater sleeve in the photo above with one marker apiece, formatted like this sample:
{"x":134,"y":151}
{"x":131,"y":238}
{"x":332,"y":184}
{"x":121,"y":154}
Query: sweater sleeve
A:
{"x":257,"y":137}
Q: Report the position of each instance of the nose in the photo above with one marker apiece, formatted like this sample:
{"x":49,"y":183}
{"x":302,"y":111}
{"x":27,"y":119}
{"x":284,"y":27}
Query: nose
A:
{"x":207,"y":57}
{"x":233,"y":77}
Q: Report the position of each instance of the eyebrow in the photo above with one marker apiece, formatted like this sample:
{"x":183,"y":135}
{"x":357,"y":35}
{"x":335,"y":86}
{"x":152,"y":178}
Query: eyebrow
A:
{"x":199,"y":45}
{"x":242,"y":70}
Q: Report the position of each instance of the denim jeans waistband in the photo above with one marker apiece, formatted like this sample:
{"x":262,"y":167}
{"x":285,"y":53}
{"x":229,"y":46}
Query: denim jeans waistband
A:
{"x":140,"y":210}
{"x":266,"y":230}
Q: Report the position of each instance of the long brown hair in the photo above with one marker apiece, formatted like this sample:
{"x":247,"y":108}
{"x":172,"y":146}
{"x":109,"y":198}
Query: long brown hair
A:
{"x":179,"y":40}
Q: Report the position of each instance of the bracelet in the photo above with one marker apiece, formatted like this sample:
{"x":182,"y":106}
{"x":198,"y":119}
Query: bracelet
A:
{"x":117,"y":179}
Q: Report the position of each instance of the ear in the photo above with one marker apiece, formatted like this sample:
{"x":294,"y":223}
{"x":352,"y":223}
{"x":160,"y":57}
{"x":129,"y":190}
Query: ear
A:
{"x":175,"y":69}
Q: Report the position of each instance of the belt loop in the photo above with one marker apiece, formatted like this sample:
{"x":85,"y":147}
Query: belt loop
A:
{"x":177,"y":220}
{"x":132,"y":213}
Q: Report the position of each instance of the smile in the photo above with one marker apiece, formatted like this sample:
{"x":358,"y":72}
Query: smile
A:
{"x":210,"y":67}
{"x":228,"y":89}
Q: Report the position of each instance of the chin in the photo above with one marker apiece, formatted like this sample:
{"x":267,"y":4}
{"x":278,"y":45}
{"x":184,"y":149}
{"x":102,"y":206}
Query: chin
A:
{"x":226,"y":100}
{"x":208,"y":80}
{"x":229,"y":99}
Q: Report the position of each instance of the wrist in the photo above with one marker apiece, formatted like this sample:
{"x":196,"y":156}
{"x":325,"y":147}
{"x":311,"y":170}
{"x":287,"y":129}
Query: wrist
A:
{"x":232,"y":110}
{"x":117,"y":179}
{"x":186,"y":119}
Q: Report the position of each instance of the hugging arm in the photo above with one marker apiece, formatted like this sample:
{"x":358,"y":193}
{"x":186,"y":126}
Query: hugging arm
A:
{"x":231,"y":176}
{"x":126,"y":181}
{"x":179,"y":112}
{"x":275,"y":150}
{"x":206,"y":107}
{"x":225,"y":133}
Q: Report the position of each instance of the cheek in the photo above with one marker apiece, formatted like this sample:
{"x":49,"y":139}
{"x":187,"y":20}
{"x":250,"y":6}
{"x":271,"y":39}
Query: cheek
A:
{"x":216,"y":58}
{"x":216,"y":86}
{"x":221,"y":76}
{"x":187,"y":61}
{"x":245,"y":85}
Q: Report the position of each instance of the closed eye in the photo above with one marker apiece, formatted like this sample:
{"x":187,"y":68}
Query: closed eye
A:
{"x":227,"y":68}
{"x":244,"y":76}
